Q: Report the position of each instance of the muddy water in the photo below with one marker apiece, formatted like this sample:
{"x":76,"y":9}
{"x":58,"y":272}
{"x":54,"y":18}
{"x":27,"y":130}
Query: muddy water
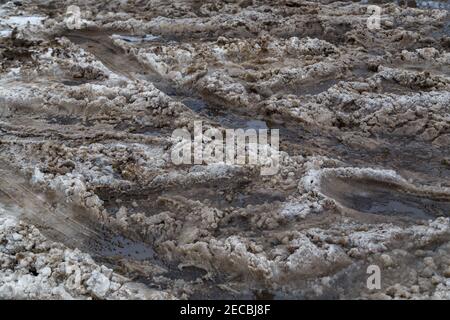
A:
{"x":226,"y":117}
{"x":380,"y":198}
{"x":100,"y":45}
{"x":118,"y":246}
{"x":417,"y":160}
{"x":221,"y":194}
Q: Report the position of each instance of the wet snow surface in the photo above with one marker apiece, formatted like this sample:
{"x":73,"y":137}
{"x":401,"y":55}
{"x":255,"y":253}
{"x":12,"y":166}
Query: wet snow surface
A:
{"x":92,"y":205}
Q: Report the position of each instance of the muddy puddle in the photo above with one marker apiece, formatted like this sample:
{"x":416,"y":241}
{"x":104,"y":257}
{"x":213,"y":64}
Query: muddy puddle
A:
{"x":102,"y":47}
{"x":66,"y":222}
{"x":433,"y":69}
{"x":393,"y":87}
{"x":411,"y":158}
{"x":387,"y":199}
{"x":226,"y":118}
{"x":222,"y":115}
{"x":220,"y":194}
{"x":120,"y":247}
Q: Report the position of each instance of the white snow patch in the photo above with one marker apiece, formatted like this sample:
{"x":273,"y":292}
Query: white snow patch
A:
{"x":5,"y":33}
{"x":37,"y":177}
{"x":293,"y":209}
{"x":21,"y":21}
